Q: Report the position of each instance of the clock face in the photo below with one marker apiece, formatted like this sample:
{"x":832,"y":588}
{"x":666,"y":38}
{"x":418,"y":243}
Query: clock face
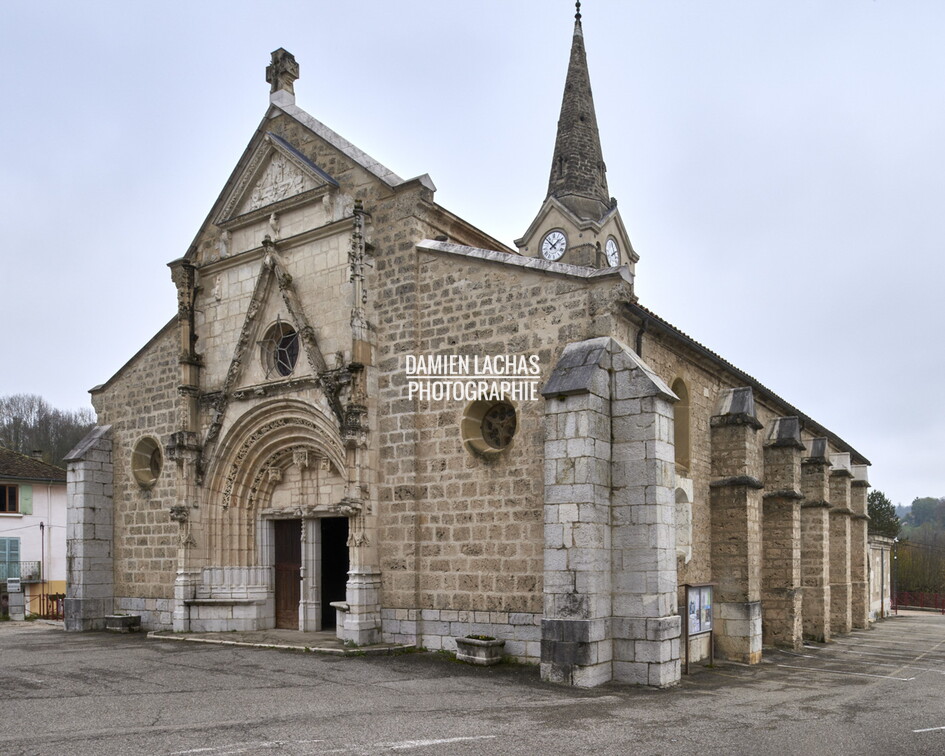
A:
{"x":554,"y":245}
{"x":613,"y":252}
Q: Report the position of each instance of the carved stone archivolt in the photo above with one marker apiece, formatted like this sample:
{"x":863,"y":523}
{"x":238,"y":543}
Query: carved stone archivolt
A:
{"x":253,"y":461}
{"x":272,"y":473}
{"x":264,"y":436}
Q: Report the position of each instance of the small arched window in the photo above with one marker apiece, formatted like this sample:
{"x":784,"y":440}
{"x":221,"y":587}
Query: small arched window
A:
{"x":681,"y":425}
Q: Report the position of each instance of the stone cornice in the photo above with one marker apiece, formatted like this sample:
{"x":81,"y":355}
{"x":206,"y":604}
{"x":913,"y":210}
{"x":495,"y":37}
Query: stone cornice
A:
{"x":738,"y":419}
{"x":787,"y":493}
{"x":342,"y":225}
{"x":841,"y":511}
{"x":523,"y":261}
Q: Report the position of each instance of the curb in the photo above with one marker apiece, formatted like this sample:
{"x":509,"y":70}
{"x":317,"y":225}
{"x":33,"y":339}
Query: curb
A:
{"x":353,"y":651}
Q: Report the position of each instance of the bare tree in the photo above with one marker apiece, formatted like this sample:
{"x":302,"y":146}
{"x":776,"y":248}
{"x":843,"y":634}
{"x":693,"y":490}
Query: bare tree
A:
{"x":28,"y":423}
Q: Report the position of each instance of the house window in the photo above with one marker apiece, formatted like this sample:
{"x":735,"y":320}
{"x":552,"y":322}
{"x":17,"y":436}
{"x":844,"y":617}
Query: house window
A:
{"x":9,"y":558}
{"x":9,"y":501}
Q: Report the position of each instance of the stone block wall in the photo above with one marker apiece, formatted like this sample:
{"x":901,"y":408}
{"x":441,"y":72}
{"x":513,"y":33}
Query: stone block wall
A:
{"x":459,"y":530}
{"x":438,"y":629}
{"x":880,"y":576}
{"x":155,"y":613}
{"x":142,"y":401}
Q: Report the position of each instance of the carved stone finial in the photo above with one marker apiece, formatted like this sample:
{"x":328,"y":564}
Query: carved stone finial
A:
{"x":577,"y":14}
{"x":282,"y":72}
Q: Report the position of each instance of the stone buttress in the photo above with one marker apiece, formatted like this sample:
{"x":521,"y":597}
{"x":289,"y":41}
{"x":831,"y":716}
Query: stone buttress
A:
{"x":781,"y":535}
{"x":610,"y":563}
{"x":841,"y":474}
{"x":859,"y":547}
{"x":735,"y":501}
{"x":89,"y":549}
{"x":815,"y":540}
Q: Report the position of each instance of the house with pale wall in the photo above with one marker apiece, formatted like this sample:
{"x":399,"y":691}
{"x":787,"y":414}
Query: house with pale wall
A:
{"x":32,"y":527}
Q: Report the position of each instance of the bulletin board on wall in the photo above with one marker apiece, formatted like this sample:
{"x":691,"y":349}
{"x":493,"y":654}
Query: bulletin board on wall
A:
{"x":698,"y":618}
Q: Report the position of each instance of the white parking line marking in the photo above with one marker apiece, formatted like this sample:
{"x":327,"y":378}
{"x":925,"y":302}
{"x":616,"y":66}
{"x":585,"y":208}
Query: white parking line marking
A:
{"x":841,"y":672}
{"x":438,"y":741}
{"x":228,"y":750}
{"x":930,"y":729}
{"x":899,"y":664}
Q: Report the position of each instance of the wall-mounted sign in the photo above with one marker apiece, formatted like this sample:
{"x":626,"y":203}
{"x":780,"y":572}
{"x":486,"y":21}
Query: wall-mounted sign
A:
{"x":13,"y":585}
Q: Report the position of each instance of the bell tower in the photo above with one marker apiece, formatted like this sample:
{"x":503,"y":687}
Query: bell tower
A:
{"x":578,"y":222}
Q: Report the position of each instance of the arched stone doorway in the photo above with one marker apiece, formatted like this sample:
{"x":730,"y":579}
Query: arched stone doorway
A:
{"x":274,"y":551}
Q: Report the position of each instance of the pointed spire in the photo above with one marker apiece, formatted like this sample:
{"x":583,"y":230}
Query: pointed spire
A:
{"x":578,"y":175}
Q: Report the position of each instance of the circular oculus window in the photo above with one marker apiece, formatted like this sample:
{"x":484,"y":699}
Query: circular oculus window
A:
{"x":280,"y":349}
{"x":147,"y":461}
{"x":489,"y":427}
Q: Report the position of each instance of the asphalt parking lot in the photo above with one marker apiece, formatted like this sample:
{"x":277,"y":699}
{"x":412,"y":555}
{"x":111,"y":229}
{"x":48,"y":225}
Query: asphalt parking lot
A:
{"x":872,"y":692}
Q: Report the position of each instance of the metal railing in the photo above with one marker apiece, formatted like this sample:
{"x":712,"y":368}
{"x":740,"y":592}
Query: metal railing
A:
{"x":27,"y":572}
{"x":919,"y":600}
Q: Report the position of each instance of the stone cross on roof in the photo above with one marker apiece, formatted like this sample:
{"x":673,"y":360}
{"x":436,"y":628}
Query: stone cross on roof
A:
{"x":282,"y":72}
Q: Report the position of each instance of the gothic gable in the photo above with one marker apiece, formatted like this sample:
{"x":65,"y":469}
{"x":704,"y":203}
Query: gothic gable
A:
{"x":274,"y":295}
{"x":276,"y":172}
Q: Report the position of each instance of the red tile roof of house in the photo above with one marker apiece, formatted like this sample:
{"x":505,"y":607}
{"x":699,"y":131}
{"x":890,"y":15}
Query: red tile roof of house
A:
{"x":16,"y":466}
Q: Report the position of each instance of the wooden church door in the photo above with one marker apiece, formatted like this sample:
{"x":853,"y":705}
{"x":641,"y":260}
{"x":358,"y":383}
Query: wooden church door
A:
{"x":288,"y":563}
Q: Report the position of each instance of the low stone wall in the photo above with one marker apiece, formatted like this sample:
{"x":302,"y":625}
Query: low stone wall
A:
{"x":156,"y":614}
{"x":225,"y":615}
{"x":438,"y":629}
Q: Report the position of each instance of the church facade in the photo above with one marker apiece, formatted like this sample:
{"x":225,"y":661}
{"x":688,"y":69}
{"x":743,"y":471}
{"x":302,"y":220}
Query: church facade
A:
{"x":368,"y":415}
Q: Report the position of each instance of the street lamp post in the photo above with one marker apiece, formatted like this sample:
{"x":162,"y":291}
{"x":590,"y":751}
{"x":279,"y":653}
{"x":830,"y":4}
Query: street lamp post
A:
{"x":895,"y":566}
{"x":42,"y":566}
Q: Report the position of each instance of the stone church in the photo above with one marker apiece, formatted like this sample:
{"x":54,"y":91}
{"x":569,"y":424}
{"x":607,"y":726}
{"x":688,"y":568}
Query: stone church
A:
{"x":369,"y":415}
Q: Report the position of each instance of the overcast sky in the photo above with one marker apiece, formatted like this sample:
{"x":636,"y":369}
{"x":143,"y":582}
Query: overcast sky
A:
{"x":780,"y":167}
